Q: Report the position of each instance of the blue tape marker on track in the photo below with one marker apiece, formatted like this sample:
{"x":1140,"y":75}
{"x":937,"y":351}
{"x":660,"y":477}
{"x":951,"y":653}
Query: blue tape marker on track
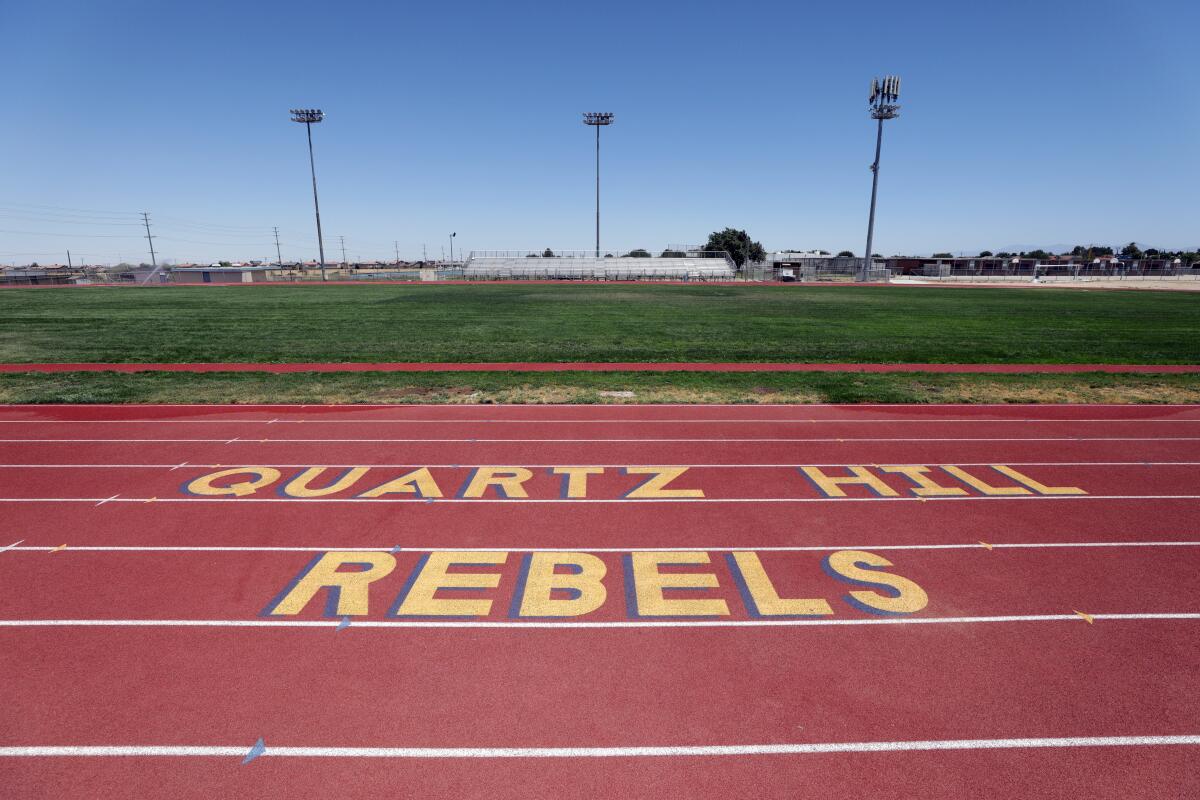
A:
{"x":259,"y":748}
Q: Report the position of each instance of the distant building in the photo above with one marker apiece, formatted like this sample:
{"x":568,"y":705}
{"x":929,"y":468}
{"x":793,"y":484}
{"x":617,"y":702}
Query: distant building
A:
{"x":33,"y":277}
{"x":219,"y":274}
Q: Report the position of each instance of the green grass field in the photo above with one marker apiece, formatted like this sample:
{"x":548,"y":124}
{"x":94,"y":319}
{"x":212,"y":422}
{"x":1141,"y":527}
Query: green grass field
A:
{"x":515,"y":322}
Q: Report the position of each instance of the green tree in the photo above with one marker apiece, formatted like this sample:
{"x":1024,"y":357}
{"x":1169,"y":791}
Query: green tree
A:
{"x":738,"y":244}
{"x":845,"y":254}
{"x":1131,"y":250}
{"x":985,"y":253}
{"x":672,"y":254}
{"x":638,"y":253}
{"x":548,"y":253}
{"x":942,"y":255}
{"x":1038,"y":254}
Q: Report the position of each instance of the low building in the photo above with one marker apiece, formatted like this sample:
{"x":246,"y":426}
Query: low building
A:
{"x":34,"y":277}
{"x":812,"y":265}
{"x":218,"y":274}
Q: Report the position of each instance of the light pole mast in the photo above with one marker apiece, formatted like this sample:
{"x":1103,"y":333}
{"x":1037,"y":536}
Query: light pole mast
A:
{"x":883,"y":97}
{"x":308,"y":116}
{"x":597,"y":119}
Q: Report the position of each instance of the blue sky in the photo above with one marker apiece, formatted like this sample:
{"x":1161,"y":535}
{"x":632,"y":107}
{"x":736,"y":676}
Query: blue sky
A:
{"x":1023,"y":123}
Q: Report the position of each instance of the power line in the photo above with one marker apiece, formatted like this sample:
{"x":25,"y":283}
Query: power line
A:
{"x":82,"y":216}
{"x":75,"y":235}
{"x":89,"y":211}
{"x":185,"y":223}
{"x":62,"y":219}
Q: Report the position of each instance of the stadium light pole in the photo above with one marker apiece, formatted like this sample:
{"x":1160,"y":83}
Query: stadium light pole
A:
{"x":597,"y":119}
{"x":308,"y":116}
{"x":883,"y":96}
{"x":452,"y":248}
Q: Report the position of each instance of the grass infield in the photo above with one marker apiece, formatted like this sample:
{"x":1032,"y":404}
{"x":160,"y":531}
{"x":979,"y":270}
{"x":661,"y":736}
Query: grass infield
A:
{"x":597,"y":322}
{"x":590,"y":387}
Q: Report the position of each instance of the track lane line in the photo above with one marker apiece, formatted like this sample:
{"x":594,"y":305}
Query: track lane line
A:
{"x":467,"y":465}
{"x":643,"y":440}
{"x":552,"y":421}
{"x":722,"y":549}
{"x":240,"y":751}
{"x":442,"y":501}
{"x":697,"y":623}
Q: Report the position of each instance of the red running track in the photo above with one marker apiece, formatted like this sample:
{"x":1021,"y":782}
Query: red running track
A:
{"x":599,"y":366}
{"x":1054,"y":655}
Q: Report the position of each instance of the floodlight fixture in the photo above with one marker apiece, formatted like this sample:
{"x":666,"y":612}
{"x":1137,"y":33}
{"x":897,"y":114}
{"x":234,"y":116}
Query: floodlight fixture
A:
{"x":882,"y":97}
{"x":597,"y":119}
{"x":309,"y":116}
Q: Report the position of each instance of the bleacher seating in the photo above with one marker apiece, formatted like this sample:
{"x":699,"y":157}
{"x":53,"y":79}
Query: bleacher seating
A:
{"x":590,"y":268}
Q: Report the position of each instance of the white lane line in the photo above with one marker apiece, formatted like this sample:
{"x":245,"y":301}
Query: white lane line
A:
{"x":585,"y":501}
{"x":271,"y":407}
{"x":637,"y":751}
{"x":646,"y":440}
{"x":467,"y":465}
{"x":516,"y":625}
{"x":709,"y":420}
{"x":15,"y":546}
{"x":108,"y":500}
{"x":698,"y":548}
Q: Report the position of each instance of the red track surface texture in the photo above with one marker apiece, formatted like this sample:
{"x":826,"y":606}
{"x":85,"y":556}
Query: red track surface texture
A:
{"x":143,"y":651}
{"x":580,"y":366}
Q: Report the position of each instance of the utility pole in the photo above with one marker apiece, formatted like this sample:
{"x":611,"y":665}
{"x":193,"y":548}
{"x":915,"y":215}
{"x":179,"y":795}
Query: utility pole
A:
{"x":278,"y":255}
{"x":69,"y":264}
{"x":452,"y":247}
{"x":308,"y":116}
{"x":883,"y":96}
{"x":150,"y":239}
{"x":597,"y":119}
{"x":342,"y":239}
{"x":424,"y":255}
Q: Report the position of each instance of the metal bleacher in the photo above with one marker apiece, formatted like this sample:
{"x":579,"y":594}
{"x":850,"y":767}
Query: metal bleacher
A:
{"x":493,"y":265}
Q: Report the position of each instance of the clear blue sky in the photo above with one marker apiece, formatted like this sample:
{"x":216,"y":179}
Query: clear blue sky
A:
{"x":1023,"y":124}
